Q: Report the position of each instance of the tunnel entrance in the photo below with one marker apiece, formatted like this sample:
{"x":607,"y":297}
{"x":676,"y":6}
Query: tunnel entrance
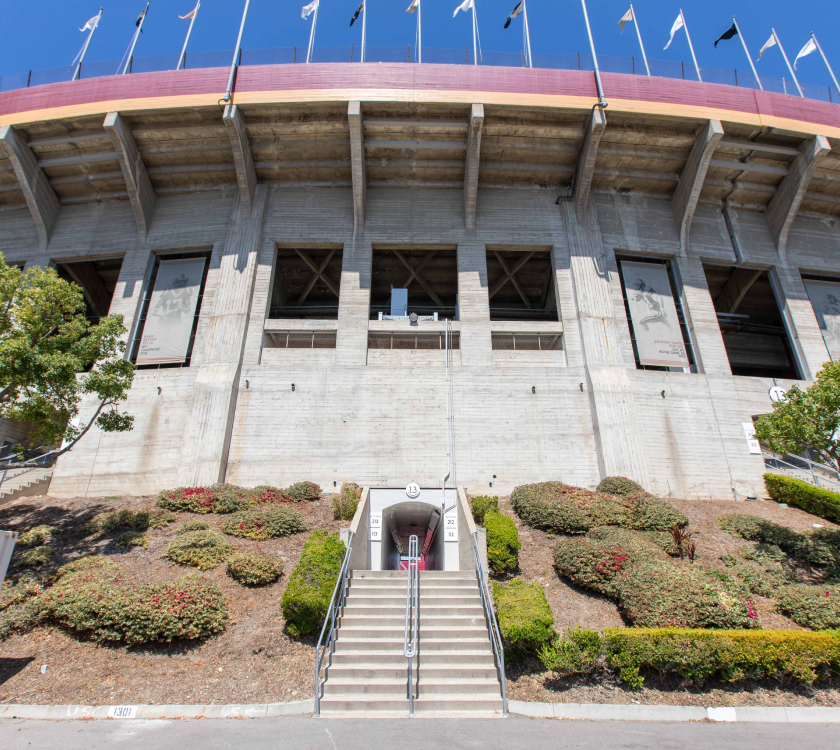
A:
{"x":399,"y":523}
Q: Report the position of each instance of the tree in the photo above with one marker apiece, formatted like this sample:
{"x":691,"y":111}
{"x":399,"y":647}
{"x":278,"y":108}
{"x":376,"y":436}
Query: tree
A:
{"x":807,"y":419}
{"x":51,"y":357}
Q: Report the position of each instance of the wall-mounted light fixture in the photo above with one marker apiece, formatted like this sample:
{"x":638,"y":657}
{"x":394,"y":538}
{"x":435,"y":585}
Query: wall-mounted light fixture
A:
{"x":159,"y":391}
{"x":533,"y":389}
{"x":247,"y":385}
{"x":581,"y":387}
{"x":293,"y":387}
{"x":663,"y":394}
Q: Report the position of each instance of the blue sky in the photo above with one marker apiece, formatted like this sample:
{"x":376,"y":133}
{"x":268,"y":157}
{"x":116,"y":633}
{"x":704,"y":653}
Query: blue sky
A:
{"x":40,"y":34}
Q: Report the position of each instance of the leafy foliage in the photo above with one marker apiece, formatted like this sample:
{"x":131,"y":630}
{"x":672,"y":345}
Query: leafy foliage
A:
{"x":36,"y":535}
{"x":199,"y":549}
{"x":344,"y":504}
{"x":807,"y":419}
{"x":141,"y":520}
{"x":131,"y":539}
{"x":524,"y":617}
{"x":304,"y":492}
{"x":33,"y":558}
{"x":815,"y":607}
{"x":481,"y":505}
{"x":51,"y":357}
{"x":194,"y":525}
{"x":577,"y":652}
{"x":799,"y":494}
{"x":220,"y":498}
{"x":307,"y":596}
{"x":621,"y":486}
{"x":265,"y":524}
{"x":17,"y":593}
{"x":254,"y":568}
{"x":502,"y":542}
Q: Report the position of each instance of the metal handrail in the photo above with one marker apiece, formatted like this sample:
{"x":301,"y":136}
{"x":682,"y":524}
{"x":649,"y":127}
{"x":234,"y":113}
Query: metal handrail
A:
{"x":490,"y":614}
{"x":336,"y":603}
{"x":412,"y":607}
{"x":809,"y":468}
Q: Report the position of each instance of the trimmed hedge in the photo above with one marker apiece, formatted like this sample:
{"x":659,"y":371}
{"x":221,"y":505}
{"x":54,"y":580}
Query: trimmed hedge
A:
{"x":524,"y":617}
{"x":481,"y":505}
{"x":312,"y":582}
{"x":577,"y":652}
{"x":265,"y":524}
{"x":502,"y":542}
{"x":200,"y":549}
{"x":731,"y":656}
{"x":815,"y":607}
{"x":799,"y":494}
{"x":621,"y":486}
{"x":254,"y":568}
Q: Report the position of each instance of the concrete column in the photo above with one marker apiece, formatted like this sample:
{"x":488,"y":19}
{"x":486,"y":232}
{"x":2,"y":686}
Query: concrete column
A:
{"x":354,"y":302}
{"x":219,"y":349}
{"x":802,"y":323}
{"x":474,"y":305}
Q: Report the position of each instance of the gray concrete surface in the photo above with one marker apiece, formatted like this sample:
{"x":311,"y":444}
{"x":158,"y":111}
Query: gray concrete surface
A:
{"x":349,"y":734}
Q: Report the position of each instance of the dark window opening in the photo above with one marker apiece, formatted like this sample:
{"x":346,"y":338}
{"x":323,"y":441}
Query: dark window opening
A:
{"x":753,"y":328}
{"x":307,"y":282}
{"x":521,"y":285}
{"x":97,"y":279}
{"x":676,"y":296}
{"x":429,"y":274}
{"x":147,"y":298}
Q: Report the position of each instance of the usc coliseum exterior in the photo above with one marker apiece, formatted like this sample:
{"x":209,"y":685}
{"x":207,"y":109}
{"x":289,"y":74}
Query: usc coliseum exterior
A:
{"x":498,"y":196}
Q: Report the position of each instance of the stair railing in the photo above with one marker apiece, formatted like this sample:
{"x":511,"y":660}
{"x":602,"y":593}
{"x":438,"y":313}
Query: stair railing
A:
{"x":412,"y":607}
{"x":336,"y":603}
{"x":493,"y":625}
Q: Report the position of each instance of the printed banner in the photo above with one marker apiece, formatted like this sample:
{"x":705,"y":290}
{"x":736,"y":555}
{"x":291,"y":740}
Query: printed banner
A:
{"x":825,"y":299}
{"x":169,"y":321}
{"x":653,"y":315}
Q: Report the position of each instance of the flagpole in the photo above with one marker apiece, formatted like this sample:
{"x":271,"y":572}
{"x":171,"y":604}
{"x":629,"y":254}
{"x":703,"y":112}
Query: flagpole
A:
{"x":312,"y":34}
{"x":793,"y":75}
{"x":419,"y":33}
{"x":475,"y":49}
{"x":183,"y":58}
{"x":749,"y":56}
{"x":691,"y":47}
{"x":601,"y":101}
{"x":825,"y":60}
{"x":136,"y":37}
{"x":77,"y":74}
{"x":233,"y":65}
{"x":364,"y":28}
{"x":639,"y":34}
{"x":527,"y":33}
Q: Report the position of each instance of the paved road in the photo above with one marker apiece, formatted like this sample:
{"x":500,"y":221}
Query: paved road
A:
{"x":294,"y":732}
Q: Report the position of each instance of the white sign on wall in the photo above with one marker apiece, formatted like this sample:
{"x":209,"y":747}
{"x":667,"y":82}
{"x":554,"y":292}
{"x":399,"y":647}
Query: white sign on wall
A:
{"x":653,"y":314}
{"x":169,"y":320}
{"x":825,"y":299}
{"x":376,"y":527}
{"x":752,"y":440}
{"x":413,"y":490}
{"x":450,"y":527}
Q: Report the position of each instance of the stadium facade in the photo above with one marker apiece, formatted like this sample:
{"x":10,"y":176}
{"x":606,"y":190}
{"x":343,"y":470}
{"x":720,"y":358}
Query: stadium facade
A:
{"x":625,"y":286}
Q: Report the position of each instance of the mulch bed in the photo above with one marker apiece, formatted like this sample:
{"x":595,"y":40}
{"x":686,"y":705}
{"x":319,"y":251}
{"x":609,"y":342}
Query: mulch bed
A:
{"x":252,"y":661}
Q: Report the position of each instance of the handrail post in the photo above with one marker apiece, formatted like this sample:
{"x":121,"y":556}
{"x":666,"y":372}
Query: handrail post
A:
{"x":411,"y":615}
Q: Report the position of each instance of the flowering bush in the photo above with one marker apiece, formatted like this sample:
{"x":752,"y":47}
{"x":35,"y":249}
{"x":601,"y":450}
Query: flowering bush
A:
{"x":187,"y":500}
{"x":304,"y":492}
{"x":344,"y":504}
{"x":131,"y":539}
{"x":254,"y":568}
{"x":502,"y":542}
{"x":525,"y":619}
{"x":265,"y":524}
{"x":199,"y":549}
{"x":220,"y":498}
{"x":621,"y":486}
{"x":196,"y":525}
{"x":36,"y":535}
{"x":18,"y":593}
{"x":132,"y":519}
{"x":815,"y":607}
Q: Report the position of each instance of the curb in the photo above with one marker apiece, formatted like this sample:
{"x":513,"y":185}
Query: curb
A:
{"x":633,"y":712}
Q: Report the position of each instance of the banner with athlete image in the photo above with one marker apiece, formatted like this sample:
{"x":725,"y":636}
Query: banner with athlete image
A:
{"x":653,"y":314}
{"x":169,"y":320}
{"x":825,"y":299}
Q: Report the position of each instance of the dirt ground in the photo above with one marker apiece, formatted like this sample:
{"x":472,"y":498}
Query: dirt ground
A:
{"x":252,"y":661}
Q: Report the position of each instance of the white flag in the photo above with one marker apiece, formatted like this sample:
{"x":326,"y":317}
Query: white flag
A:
{"x":771,"y":42}
{"x":306,"y":11}
{"x":415,"y":4}
{"x":465,"y":6}
{"x":626,"y":18}
{"x":678,"y":24}
{"x":189,"y":15}
{"x":91,"y":24}
{"x":810,"y":47}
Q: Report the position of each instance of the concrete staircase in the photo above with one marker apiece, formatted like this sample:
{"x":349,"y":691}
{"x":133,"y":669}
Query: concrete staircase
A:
{"x":25,"y":483}
{"x":368,"y":671}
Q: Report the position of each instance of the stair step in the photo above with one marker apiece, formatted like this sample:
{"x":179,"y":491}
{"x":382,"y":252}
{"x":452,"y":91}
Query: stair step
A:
{"x":397,"y":686}
{"x":374,"y":610}
{"x":427,"y":658}
{"x":428,"y":673}
{"x":446,"y":705}
{"x":346,"y":643}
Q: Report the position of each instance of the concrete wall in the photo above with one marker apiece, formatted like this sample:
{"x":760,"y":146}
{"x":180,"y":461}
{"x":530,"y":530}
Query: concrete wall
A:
{"x":378,"y":417}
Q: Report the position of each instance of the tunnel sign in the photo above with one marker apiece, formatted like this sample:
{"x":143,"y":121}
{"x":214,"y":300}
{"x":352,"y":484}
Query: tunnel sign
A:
{"x":413,"y":490}
{"x":450,"y":527}
{"x":375,"y":527}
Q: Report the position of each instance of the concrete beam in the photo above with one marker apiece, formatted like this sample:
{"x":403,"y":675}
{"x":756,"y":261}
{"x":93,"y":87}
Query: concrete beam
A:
{"x":357,"y":163}
{"x":783,"y":206}
{"x":246,"y":175}
{"x":40,"y":197}
{"x":586,"y":158}
{"x":137,"y":182}
{"x":736,"y":288}
{"x":471,"y":169}
{"x":684,"y":200}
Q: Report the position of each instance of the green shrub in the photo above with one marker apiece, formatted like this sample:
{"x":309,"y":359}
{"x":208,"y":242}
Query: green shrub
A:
{"x":311,"y":584}
{"x":659,"y":594}
{"x":481,"y":505}
{"x":220,"y":498}
{"x":254,"y":568}
{"x":141,"y":520}
{"x":762,"y":553}
{"x":12,"y":594}
{"x":524,"y":617}
{"x":36,"y":535}
{"x":815,"y":607}
{"x":502,"y":542}
{"x":621,"y":486}
{"x":199,"y":549}
{"x":799,"y":494}
{"x":763,"y":580}
{"x":265,"y":524}
{"x":700,"y":655}
{"x":545,"y":506}
{"x":196,"y":525}
{"x":20,"y":618}
{"x":131,"y":539}
{"x":34,"y":558}
{"x":577,"y":652}
{"x":228,"y":498}
{"x":304,"y":492}
{"x":344,"y":504}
